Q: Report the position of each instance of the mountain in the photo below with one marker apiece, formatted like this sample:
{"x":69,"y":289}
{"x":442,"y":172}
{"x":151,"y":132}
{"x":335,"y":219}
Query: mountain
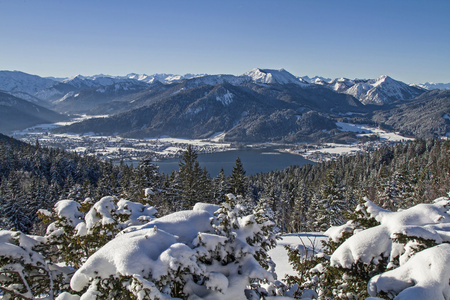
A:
{"x":435,"y":86}
{"x":269,"y":76}
{"x":315,"y":80}
{"x":259,"y":105}
{"x":16,"y":114}
{"x":199,"y":108}
{"x":379,"y":91}
{"x":15,"y":81}
{"x":101,"y":99}
{"x":426,"y":116}
{"x":163,"y":78}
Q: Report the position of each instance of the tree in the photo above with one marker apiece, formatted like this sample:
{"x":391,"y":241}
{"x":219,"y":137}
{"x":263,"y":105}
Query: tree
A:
{"x":380,"y":253}
{"x":220,"y":187}
{"x":237,"y":180}
{"x":190,"y":177}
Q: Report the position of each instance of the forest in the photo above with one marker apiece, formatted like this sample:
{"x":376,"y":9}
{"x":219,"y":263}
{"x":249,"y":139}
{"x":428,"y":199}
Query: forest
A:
{"x":307,"y":198}
{"x":76,"y":227}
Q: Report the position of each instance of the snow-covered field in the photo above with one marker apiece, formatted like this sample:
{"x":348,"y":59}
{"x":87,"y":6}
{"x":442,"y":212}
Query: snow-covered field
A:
{"x":366,"y":130}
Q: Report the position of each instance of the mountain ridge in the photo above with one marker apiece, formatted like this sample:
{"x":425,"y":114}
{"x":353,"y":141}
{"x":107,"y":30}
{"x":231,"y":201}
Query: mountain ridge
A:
{"x":259,"y":105}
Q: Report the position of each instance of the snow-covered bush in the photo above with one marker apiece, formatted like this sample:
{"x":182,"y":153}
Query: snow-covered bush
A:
{"x":403,"y":254}
{"x":78,"y":230}
{"x":24,"y":270}
{"x":121,"y":251}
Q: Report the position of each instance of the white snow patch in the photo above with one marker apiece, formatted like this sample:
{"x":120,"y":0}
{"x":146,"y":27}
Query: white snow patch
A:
{"x":279,"y":254}
{"x":226,"y":99}
{"x":366,"y":130}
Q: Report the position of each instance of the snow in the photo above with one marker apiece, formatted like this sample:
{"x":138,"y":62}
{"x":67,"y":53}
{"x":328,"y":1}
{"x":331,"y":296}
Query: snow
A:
{"x":434,"y":86}
{"x":381,"y":90}
{"x":15,"y":81}
{"x":366,"y":130}
{"x":353,"y":127}
{"x":425,"y":276}
{"x":124,"y":255}
{"x":429,"y":221}
{"x":226,"y":99}
{"x":185,"y":225}
{"x":268,"y":76}
{"x":279,"y":254}
{"x":18,"y":246}
{"x":68,"y":209}
{"x":164,"y":249}
{"x":155,"y":253}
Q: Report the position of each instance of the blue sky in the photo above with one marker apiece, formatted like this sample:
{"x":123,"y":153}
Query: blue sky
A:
{"x":406,"y":39}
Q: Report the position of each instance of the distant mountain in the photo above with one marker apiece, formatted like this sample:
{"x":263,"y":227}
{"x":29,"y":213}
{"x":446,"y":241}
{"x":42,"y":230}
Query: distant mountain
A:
{"x":259,"y":105}
{"x":379,"y":91}
{"x":269,"y":76}
{"x":163,"y":78}
{"x":249,"y":112}
{"x":435,"y":86}
{"x":101,"y":99}
{"x":16,"y":114}
{"x":316,"y":80}
{"x":15,"y":81}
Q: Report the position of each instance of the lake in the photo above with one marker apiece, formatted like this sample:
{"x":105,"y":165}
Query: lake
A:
{"x":254,"y":161}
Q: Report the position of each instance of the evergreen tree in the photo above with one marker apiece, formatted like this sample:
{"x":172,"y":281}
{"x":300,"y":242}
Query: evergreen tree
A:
{"x":237,"y":180}
{"x":190,"y":178}
{"x":220,"y":187}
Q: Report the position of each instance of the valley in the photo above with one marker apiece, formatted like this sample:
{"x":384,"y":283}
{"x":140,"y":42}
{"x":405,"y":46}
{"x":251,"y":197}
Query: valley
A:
{"x":214,"y":153}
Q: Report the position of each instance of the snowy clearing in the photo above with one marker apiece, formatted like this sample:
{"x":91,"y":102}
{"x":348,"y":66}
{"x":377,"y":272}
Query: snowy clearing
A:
{"x":366,"y":130}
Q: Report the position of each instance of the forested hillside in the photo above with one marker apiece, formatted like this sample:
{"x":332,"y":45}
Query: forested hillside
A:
{"x":308,"y":198}
{"x":314,"y":197}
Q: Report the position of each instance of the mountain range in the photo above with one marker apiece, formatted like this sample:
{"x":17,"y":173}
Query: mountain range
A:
{"x":257,"y":106}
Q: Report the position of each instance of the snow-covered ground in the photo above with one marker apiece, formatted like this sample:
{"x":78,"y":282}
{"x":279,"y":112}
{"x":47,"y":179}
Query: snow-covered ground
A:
{"x":329,"y":151}
{"x":280,"y":255}
{"x":366,"y":130}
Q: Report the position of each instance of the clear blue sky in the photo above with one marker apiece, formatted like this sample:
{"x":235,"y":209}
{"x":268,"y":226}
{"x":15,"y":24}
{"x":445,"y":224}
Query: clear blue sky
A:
{"x":406,"y":39}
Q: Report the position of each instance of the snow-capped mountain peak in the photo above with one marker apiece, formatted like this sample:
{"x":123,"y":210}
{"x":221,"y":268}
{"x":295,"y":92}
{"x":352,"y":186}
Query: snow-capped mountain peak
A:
{"x":270,"y":76}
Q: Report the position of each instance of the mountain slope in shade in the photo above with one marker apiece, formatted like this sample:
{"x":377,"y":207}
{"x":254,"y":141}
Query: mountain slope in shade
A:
{"x":424,"y":117}
{"x":16,"y":114}
{"x":88,"y":100}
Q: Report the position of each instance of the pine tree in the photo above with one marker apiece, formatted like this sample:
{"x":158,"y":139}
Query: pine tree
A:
{"x":190,"y":177}
{"x":220,"y":187}
{"x":237,"y":180}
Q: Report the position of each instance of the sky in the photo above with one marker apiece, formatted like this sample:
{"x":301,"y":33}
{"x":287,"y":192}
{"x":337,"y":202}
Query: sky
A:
{"x":408,"y":40}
